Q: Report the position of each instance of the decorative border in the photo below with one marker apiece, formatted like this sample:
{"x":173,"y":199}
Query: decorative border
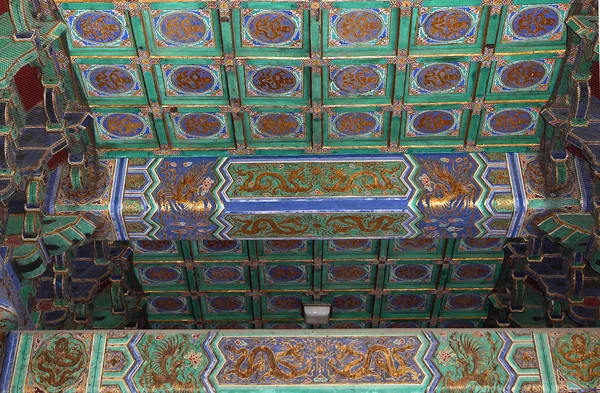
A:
{"x":515,"y":359}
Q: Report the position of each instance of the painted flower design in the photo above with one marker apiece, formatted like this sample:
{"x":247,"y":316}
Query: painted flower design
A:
{"x":195,"y":358}
{"x":445,"y":356}
{"x":426,"y":182}
{"x":206,"y":184}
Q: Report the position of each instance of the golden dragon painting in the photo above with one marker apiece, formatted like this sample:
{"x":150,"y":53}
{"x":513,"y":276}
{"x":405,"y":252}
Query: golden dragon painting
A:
{"x":264,"y":362}
{"x":317,"y":179}
{"x":378,"y":361}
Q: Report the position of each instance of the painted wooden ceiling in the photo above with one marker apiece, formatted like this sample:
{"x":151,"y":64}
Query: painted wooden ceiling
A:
{"x":314,"y":76}
{"x":284,"y":77}
{"x":369,"y":283}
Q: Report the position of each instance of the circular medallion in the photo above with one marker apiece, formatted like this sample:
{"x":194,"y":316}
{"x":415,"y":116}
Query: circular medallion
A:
{"x":286,"y":326}
{"x":357,"y":79}
{"x":277,"y":124}
{"x":411,"y":272}
{"x":271,"y":28}
{"x":473,"y":271}
{"x":433,"y":122}
{"x":359,"y":26}
{"x":219,"y":245}
{"x":60,"y":363}
{"x":420,"y":244}
{"x":350,"y":244}
{"x":405,"y":302}
{"x":167,"y":303}
{"x":123,"y":124}
{"x":483,"y":242}
{"x":346,"y":273}
{"x":192,"y":80}
{"x":465,"y":301}
{"x":447,"y":25}
{"x":356,"y":123}
{"x":229,"y":326}
{"x":98,"y":27}
{"x":511,"y":120}
{"x":283,"y":245}
{"x":457,"y":325}
{"x":400,"y":325}
{"x":223,"y":274}
{"x":348,"y":303}
{"x":274,"y":80}
{"x":183,"y":28}
{"x":161,"y":274}
{"x":284,"y":273}
{"x":345,"y":325}
{"x":439,"y":77}
{"x":111,"y":80}
{"x":523,"y":74}
{"x":170,"y":326}
{"x":226,"y":303}
{"x":285,"y":303}
{"x":200,"y":125}
{"x":155,"y":245}
{"x":535,"y":22}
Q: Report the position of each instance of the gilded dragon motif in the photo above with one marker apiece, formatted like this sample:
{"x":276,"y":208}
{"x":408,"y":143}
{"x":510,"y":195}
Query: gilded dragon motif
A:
{"x":262,"y":226}
{"x":347,"y":223}
{"x":385,"y":362}
{"x":314,"y":224}
{"x":263,"y":360}
{"x":579,"y":358}
{"x":274,"y":183}
{"x":309,"y":179}
{"x":364,"y":181}
{"x":60,"y":363}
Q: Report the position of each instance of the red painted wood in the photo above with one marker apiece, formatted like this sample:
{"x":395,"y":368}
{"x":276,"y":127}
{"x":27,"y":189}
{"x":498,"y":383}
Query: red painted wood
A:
{"x":29,"y":85}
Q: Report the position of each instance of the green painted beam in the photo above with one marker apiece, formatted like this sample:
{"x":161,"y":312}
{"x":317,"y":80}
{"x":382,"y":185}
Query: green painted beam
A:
{"x":382,"y":360}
